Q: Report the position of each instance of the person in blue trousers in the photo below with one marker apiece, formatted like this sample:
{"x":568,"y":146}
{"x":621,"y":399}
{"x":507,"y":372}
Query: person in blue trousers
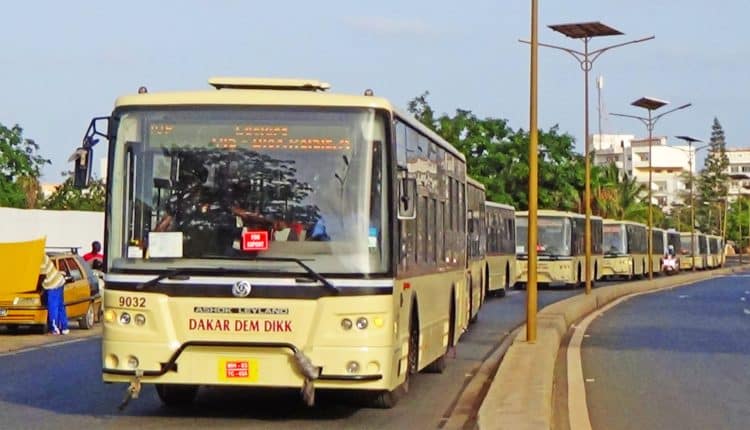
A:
{"x":54,"y":288}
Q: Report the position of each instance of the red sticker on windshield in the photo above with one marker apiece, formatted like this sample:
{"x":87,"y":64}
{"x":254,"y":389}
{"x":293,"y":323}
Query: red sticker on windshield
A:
{"x":255,"y":240}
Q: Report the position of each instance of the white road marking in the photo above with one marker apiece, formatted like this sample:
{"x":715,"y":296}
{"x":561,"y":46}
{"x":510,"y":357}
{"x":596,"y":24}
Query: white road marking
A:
{"x":684,"y":296}
{"x":742,"y":299}
{"x":46,"y":345}
{"x":578,"y":412}
{"x":746,"y":311}
{"x":590,"y":380}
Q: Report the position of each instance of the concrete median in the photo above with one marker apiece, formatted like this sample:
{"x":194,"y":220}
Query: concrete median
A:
{"x":520,"y":396}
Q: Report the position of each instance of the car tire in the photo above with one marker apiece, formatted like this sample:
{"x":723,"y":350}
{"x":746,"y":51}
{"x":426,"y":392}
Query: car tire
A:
{"x":87,"y":321}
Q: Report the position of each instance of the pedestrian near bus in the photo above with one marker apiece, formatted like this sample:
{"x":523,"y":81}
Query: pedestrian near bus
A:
{"x":95,"y":254}
{"x":54,"y":289}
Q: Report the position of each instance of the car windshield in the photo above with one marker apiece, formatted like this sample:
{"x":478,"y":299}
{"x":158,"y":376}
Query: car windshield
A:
{"x":192,"y":186}
{"x":554,"y":236}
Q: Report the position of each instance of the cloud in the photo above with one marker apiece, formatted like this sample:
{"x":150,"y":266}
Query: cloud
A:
{"x":383,"y":26}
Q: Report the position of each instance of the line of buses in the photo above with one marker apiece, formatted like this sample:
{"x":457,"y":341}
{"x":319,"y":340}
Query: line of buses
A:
{"x":268,"y":233}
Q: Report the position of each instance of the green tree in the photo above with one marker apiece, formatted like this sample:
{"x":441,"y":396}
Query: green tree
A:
{"x":712,"y":184}
{"x":67,"y":197}
{"x":20,"y":168}
{"x":497,"y":156}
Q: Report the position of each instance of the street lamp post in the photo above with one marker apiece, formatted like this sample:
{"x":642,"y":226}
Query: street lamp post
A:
{"x":690,"y":140}
{"x":531,"y":284}
{"x":650,"y":104}
{"x":586,"y":31}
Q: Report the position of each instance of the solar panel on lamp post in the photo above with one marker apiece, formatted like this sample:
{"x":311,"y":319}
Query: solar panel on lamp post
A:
{"x":650,"y":104}
{"x":586,"y":31}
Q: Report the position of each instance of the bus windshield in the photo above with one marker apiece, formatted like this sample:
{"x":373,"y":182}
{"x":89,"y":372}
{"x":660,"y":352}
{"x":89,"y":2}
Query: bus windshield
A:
{"x":554,"y":237}
{"x":192,"y":186}
{"x":614,"y":239}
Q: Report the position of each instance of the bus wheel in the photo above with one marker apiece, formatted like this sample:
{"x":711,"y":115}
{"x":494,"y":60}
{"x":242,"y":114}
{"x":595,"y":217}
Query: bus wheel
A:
{"x":578,"y":283}
{"x":388,"y":399}
{"x":501,"y":292}
{"x":439,"y":365}
{"x":473,"y":318}
{"x":173,"y":395}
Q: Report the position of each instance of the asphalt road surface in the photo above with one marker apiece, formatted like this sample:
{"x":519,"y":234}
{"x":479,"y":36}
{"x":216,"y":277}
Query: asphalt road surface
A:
{"x":59,"y":387}
{"x":678,"y":359}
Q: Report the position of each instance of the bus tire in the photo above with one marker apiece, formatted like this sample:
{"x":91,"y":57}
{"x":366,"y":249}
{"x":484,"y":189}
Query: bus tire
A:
{"x":473,"y":317}
{"x":441,"y":363}
{"x":175,"y":396}
{"x":387,"y":399}
{"x":501,"y":292}
{"x":578,"y":283}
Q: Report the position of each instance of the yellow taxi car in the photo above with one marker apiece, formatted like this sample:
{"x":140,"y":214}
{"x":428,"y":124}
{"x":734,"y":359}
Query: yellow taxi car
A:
{"x":22,"y":302}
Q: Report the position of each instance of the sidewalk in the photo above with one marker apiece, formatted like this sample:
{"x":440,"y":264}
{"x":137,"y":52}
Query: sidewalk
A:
{"x":520,"y":396}
{"x":27,"y":338}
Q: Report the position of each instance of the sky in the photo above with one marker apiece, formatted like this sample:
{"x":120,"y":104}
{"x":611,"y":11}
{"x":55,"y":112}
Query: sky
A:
{"x":63,"y":63}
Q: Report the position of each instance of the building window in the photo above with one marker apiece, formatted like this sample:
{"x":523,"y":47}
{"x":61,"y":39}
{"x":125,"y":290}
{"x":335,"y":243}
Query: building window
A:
{"x":746,"y":168}
{"x":735,"y":169}
{"x":643,"y":156}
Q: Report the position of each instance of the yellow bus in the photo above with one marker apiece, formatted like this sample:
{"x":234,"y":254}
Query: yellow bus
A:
{"x":269,"y":233}
{"x":697,"y":257}
{"x":476,"y":246}
{"x":625,"y":249}
{"x":561,"y":253}
{"x":501,"y":247}
{"x":658,"y":249}
{"x":715,"y":251}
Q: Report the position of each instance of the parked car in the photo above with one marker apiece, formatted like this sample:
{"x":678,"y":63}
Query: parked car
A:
{"x":22,"y":302}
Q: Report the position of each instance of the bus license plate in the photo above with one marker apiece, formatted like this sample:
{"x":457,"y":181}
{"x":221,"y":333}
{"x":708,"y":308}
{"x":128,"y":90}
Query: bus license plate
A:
{"x":238,"y":369}
{"x":3,"y":312}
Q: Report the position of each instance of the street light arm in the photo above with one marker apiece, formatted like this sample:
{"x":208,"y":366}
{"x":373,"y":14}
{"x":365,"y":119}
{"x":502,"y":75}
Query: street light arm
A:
{"x":572,"y":52}
{"x":658,"y":117}
{"x":596,"y":53}
{"x":639,"y":118}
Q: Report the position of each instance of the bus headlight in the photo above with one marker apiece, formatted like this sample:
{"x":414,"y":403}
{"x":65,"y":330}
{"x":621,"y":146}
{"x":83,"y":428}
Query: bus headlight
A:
{"x":139,"y":319}
{"x":352,"y":367}
{"x":125,"y":318}
{"x":378,"y":322}
{"x":362,"y":323}
{"x":109,"y":316}
{"x":133,"y":362}
{"x":346,"y":324}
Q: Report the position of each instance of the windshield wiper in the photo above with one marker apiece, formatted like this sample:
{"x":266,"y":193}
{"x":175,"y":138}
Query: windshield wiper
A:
{"x":170,"y":274}
{"x":312,"y":274}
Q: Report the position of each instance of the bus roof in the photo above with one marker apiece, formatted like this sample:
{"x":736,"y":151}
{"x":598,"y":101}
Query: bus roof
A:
{"x":230,"y":91}
{"x":499,"y":205}
{"x":556,"y":214}
{"x":474,"y":182}
{"x":608,"y":221}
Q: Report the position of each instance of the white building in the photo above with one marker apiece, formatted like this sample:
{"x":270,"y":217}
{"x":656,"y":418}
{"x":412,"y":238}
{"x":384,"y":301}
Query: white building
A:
{"x":739,"y":163}
{"x":668,"y":163}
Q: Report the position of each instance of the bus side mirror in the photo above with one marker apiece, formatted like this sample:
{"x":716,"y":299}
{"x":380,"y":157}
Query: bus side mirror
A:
{"x":82,"y":157}
{"x":407,"y":200}
{"x":81,"y":167}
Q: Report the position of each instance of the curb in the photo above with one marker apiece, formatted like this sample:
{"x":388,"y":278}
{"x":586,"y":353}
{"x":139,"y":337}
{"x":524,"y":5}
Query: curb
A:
{"x":520,"y":396}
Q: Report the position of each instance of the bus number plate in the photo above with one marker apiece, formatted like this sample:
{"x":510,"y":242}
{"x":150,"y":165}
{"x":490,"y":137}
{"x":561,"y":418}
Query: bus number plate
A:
{"x":238,"y":369}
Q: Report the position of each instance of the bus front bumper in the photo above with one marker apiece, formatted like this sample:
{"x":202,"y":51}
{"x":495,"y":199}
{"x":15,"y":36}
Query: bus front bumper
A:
{"x":262,"y":364}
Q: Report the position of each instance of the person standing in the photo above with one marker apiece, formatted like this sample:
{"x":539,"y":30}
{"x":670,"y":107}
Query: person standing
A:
{"x":95,"y":254}
{"x":54,"y":287}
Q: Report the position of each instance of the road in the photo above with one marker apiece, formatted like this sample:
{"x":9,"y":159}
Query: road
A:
{"x":677,"y":359}
{"x":59,"y":386}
